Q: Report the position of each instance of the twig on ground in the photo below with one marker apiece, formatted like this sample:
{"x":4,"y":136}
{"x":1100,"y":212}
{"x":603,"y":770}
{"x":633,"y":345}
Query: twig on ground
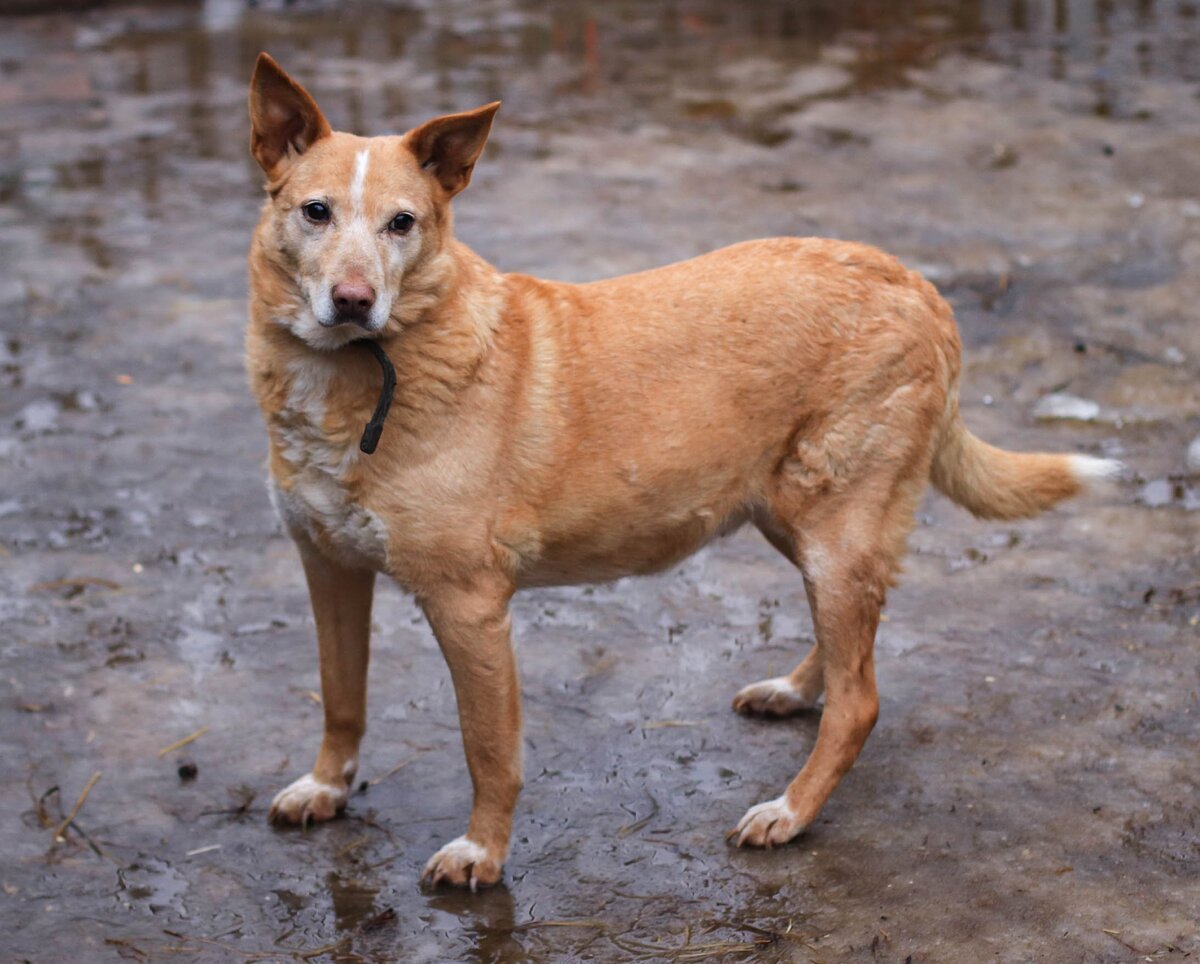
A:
{"x":352,"y":846}
{"x":535,"y":924}
{"x":80,"y":582}
{"x":393,"y":771}
{"x":62,"y":827}
{"x":182,"y":743}
{"x":1116,"y":936}
{"x":39,"y":805}
{"x":637,"y":825}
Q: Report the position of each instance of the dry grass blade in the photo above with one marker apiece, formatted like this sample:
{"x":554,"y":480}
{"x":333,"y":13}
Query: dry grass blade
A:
{"x":39,"y":805}
{"x":93,"y":846}
{"x":81,"y":582}
{"x":297,"y":954}
{"x":535,"y":924}
{"x":178,"y":744}
{"x":338,"y":948}
{"x":668,"y":724}
{"x":787,"y":935}
{"x":129,"y":946}
{"x":224,"y":945}
{"x":352,"y":846}
{"x":375,"y":865}
{"x":62,"y":827}
{"x":688,"y":952}
{"x":394,"y":770}
{"x":637,"y":825}
{"x":1116,"y":936}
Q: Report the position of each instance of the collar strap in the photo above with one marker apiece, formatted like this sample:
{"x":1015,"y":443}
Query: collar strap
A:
{"x":374,"y":429}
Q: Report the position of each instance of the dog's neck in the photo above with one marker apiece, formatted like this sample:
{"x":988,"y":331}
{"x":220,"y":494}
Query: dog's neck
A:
{"x":437,"y":338}
{"x":452,"y":312}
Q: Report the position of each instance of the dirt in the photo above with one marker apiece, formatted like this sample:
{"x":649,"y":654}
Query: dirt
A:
{"x":1029,"y":793}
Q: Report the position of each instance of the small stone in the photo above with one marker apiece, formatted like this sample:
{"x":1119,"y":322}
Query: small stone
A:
{"x":1157,"y":493}
{"x":188,"y":771}
{"x":1193,"y":456}
{"x":250,"y":629}
{"x":39,"y":416}
{"x":1061,"y":406}
{"x":1003,"y":156}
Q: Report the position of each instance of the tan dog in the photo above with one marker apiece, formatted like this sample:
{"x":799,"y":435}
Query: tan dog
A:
{"x":546,"y":433}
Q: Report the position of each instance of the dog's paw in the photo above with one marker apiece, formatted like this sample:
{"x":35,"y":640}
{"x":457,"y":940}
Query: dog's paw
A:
{"x":772,"y":697}
{"x":767,"y":825}
{"x":463,"y":863}
{"x":307,"y":801}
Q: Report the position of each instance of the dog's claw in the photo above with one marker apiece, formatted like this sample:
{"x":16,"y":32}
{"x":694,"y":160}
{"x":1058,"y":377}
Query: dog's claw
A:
{"x":462,"y":863}
{"x":305,"y":802}
{"x":768,"y":824}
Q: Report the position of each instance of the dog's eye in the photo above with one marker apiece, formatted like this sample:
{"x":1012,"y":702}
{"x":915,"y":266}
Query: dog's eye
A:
{"x":316,"y":211}
{"x":401,"y":223}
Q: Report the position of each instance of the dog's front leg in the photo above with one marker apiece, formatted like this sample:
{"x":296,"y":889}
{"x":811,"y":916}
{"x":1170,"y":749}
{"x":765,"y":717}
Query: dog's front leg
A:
{"x":472,"y":626}
{"x":341,"y":604}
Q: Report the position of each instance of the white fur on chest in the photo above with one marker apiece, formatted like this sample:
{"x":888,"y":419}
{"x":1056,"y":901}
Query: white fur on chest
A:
{"x":315,"y":502}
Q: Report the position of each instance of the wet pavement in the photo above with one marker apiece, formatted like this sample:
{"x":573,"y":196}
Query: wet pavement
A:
{"x":1030,"y":792}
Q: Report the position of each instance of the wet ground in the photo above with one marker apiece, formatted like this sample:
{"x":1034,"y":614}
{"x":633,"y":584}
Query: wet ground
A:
{"x":1030,"y":792}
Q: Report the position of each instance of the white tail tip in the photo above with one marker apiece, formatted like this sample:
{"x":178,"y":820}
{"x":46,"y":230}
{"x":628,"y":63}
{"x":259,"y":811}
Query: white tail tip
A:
{"x":1093,"y":472}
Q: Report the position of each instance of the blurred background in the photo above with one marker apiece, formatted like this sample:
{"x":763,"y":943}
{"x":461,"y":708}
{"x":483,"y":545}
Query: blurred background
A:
{"x":1029,"y":792}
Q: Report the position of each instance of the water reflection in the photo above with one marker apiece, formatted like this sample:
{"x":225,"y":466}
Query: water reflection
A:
{"x":353,"y":901}
{"x":486,"y":921}
{"x":157,"y":92}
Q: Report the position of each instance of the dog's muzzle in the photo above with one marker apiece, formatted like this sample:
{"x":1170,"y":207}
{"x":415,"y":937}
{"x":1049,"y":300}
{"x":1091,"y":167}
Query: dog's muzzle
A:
{"x":352,"y":304}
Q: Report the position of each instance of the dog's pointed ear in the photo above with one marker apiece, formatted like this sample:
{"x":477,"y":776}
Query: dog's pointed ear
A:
{"x":284,"y":119}
{"x":449,"y":146}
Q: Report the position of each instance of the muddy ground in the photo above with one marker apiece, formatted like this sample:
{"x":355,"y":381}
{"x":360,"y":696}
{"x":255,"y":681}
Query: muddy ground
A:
{"x":1030,"y":792}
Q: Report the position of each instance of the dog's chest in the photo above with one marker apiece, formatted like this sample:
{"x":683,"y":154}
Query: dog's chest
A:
{"x":311,"y":495}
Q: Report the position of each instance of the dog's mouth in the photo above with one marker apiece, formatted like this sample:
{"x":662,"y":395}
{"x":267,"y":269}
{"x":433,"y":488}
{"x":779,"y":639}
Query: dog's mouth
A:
{"x":361,"y":319}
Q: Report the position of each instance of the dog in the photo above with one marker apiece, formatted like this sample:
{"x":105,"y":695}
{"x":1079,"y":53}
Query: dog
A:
{"x":543,"y":434}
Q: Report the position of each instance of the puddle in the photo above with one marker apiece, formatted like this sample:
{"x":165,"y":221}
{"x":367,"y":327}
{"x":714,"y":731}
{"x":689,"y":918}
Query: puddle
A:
{"x":353,"y":901}
{"x":152,"y":885}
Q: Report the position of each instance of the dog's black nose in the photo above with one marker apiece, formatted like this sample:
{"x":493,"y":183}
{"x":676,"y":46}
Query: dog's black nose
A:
{"x":353,"y":298}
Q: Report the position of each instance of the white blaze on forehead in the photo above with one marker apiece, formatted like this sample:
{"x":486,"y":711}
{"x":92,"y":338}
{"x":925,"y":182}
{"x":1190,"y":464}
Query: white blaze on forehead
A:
{"x":362,"y":161}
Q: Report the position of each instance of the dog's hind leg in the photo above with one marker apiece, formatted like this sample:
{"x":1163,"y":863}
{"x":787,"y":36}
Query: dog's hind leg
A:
{"x":788,"y":695}
{"x":341,"y":603}
{"x":800,"y":689}
{"x":848,"y":547}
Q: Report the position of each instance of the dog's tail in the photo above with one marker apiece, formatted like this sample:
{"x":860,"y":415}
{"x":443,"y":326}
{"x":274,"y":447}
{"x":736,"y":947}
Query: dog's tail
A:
{"x":994,"y":484}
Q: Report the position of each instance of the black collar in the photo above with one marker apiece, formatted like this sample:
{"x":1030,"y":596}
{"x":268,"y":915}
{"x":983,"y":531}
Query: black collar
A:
{"x":374,"y":429}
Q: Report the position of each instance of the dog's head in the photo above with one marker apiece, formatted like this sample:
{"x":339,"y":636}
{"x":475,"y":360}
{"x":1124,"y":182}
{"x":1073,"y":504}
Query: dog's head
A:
{"x":357,"y":224}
